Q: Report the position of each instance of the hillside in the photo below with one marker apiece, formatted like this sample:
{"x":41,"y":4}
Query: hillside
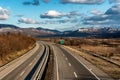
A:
{"x":13,"y":45}
{"x":8,"y":25}
{"x":108,"y":32}
{"x":91,"y":32}
{"x":36,"y":32}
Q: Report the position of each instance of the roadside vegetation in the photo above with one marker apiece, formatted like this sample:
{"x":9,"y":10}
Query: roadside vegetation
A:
{"x":107,"y":51}
{"x":13,"y":45}
{"x":109,"y":48}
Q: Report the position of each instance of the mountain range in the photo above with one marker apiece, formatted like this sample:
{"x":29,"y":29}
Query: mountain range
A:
{"x":105,"y":32}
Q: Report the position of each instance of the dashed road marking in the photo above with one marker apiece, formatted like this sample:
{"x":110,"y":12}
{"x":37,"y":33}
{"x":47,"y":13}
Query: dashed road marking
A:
{"x":66,"y":58}
{"x":75,"y":74}
{"x":22,"y":73}
{"x":30,"y":64}
{"x":69,"y":64}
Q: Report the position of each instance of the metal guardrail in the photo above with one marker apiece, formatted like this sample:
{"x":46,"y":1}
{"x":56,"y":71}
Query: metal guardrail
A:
{"x":39,"y":68}
{"x":43,"y":64}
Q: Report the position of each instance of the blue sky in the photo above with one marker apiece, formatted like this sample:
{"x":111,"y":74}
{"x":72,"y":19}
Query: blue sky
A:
{"x":57,"y":14}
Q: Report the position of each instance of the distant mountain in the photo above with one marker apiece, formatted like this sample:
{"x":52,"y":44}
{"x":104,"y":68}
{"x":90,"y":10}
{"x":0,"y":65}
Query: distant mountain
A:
{"x":106,"y":32}
{"x":49,"y":30}
{"x":37,"y":32}
{"x":8,"y":26}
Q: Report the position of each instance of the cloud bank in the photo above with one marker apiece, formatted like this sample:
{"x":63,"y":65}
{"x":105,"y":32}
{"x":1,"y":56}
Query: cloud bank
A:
{"x":83,"y":1}
{"x":4,"y":14}
{"x":55,"y":14}
{"x":27,"y":21}
{"x":110,"y":17}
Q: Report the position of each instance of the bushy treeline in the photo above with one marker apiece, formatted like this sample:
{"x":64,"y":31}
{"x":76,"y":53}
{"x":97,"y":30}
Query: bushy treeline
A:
{"x":14,"y":42}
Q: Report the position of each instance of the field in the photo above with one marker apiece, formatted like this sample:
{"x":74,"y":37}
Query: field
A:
{"x":109,"y":48}
{"x":105,"y":48}
{"x":13,"y":46}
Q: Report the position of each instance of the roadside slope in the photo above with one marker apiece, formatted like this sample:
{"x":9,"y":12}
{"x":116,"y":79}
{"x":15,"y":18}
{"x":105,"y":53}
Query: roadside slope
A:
{"x":14,"y":45}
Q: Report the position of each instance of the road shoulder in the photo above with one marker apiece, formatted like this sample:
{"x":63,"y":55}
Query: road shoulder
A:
{"x":96,"y":71}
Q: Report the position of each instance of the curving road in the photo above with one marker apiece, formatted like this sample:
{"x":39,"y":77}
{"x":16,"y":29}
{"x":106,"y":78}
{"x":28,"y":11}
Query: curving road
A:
{"x":31,"y":65}
{"x":25,"y":67}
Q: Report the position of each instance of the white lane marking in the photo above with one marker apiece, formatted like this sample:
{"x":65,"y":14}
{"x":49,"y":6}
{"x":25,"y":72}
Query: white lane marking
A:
{"x":66,"y":58}
{"x":56,"y":63}
{"x":75,"y":74}
{"x":85,"y":66}
{"x":30,"y":64}
{"x":69,"y":64}
{"x":22,"y":73}
{"x":94,"y":74}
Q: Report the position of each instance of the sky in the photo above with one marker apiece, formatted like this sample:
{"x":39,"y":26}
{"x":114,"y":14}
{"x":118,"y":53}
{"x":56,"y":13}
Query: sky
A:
{"x":60,"y":14}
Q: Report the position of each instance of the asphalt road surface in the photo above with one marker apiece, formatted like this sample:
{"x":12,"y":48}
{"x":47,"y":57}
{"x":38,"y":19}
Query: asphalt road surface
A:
{"x":69,"y":68}
{"x":27,"y":66}
{"x":24,"y":66}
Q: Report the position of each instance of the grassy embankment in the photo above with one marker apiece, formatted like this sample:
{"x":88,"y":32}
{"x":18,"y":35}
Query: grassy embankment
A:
{"x":13,"y":46}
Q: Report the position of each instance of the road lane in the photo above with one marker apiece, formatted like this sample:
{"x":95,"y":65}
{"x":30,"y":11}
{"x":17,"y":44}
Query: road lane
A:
{"x":21,"y":68}
{"x":64,"y":71}
{"x":69,"y":68}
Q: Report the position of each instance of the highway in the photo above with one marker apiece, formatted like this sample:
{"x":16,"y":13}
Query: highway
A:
{"x":31,"y":65}
{"x":69,"y":68}
{"x":27,"y":66}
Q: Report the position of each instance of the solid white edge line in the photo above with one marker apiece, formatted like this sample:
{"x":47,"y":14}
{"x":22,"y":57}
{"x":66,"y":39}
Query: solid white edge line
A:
{"x":85,"y":66}
{"x":94,"y":74}
{"x":56,"y":64}
{"x":75,"y":74}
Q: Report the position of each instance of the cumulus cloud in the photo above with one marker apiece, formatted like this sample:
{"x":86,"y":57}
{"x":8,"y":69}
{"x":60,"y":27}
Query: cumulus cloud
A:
{"x":27,"y":21}
{"x":26,"y":3}
{"x":46,"y":1}
{"x":110,"y":17}
{"x":35,"y":2}
{"x":19,"y":15}
{"x":55,"y":14}
{"x":83,"y":1}
{"x":4,"y":14}
{"x":114,"y":1}
{"x":96,"y":12}
{"x":52,"y":14}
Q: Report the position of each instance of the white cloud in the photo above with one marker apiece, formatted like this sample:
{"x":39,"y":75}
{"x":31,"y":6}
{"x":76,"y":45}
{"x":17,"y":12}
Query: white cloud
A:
{"x":83,"y":1}
{"x":114,"y":1}
{"x":55,"y":14}
{"x":4,"y":14}
{"x":46,"y":1}
{"x":110,"y":17}
{"x":27,"y":21}
{"x":52,"y":14}
{"x":96,"y":12}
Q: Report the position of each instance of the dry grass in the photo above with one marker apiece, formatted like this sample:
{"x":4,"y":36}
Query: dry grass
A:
{"x":108,"y":48}
{"x":110,"y":69}
{"x":13,"y":46}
